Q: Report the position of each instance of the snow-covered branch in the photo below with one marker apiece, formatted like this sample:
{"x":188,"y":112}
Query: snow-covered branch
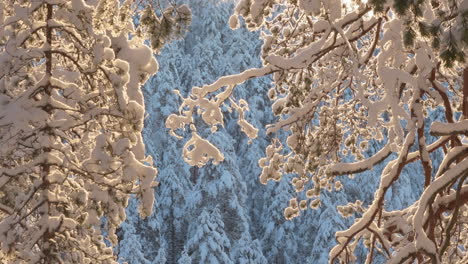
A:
{"x":348,"y":75}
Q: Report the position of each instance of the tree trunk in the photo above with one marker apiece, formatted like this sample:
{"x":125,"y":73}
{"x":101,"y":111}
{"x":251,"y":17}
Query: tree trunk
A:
{"x":48,"y":234}
{"x":194,"y":174}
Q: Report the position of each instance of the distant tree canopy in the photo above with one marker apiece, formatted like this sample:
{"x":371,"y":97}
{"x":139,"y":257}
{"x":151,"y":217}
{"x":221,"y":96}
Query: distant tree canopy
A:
{"x":71,"y":117}
{"x":347,"y":74}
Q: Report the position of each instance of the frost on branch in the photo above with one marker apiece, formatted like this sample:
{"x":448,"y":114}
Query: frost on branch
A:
{"x":71,"y":117}
{"x":355,"y":83}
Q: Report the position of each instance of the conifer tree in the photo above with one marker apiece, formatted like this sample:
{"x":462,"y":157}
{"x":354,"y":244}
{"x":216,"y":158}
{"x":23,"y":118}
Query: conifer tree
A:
{"x":208,"y":242}
{"x":161,"y":256}
{"x":222,"y":185}
{"x":183,"y":193}
{"x":167,"y":227}
{"x":184,"y":258}
{"x":249,"y":251}
{"x":133,"y":250}
{"x":280,"y":241}
{"x":71,"y":117}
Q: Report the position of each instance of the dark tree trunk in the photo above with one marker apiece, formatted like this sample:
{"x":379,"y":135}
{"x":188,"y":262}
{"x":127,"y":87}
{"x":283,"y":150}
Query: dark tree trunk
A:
{"x":194,"y":174}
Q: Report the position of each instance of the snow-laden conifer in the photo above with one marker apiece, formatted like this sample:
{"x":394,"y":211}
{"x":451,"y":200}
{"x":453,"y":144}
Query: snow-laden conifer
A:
{"x":129,"y":232}
{"x":167,"y":226}
{"x":183,"y":191}
{"x":209,"y":243}
{"x":71,"y":116}
{"x":249,"y":251}
{"x":184,"y":258}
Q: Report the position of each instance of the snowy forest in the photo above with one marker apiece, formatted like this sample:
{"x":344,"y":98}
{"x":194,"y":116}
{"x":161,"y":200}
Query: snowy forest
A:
{"x":233,"y":131}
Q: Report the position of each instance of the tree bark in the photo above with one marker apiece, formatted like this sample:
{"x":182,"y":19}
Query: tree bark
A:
{"x":465,"y":93}
{"x":194,"y":174}
{"x":48,"y":234}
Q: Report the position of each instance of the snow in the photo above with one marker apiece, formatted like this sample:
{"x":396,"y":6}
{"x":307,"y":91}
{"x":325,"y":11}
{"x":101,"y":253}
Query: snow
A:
{"x":310,"y":6}
{"x":442,"y":129}
{"x":234,"y":22}
{"x":321,"y":25}
{"x":360,"y":166}
{"x":334,"y":8}
{"x":82,"y":133}
{"x":248,"y":129}
{"x":79,"y":6}
{"x":197,"y":151}
{"x":72,"y":137}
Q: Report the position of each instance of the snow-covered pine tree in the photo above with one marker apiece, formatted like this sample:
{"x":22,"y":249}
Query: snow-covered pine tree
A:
{"x":280,"y":241}
{"x":346,"y":73}
{"x":222,"y":186}
{"x":198,"y":58}
{"x":327,"y":221}
{"x":184,"y":258}
{"x":130,"y":232}
{"x":160,"y":258}
{"x":212,"y":46}
{"x":248,"y":251}
{"x":71,"y":116}
{"x":209,"y":243}
{"x":168,"y":225}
